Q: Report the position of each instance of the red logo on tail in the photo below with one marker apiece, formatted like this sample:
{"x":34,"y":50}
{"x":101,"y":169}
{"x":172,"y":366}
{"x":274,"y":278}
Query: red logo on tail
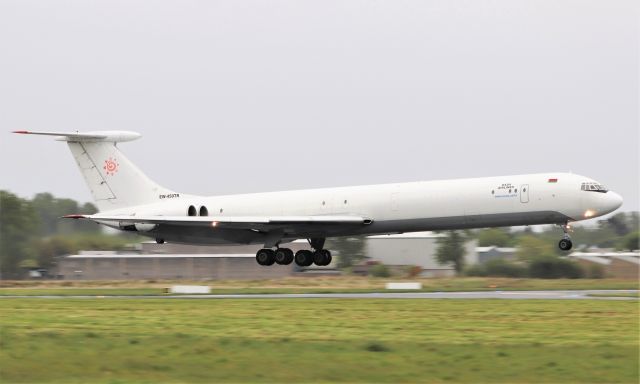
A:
{"x":110,"y":166}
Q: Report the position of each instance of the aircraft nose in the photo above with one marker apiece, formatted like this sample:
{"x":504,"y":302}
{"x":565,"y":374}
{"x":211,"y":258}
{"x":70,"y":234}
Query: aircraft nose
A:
{"x":614,"y":201}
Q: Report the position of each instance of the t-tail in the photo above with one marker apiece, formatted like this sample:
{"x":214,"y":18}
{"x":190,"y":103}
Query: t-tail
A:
{"x":115,"y":182}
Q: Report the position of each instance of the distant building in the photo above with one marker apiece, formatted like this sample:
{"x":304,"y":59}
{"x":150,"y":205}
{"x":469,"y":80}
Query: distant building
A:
{"x":169,"y":266}
{"x":414,"y":249}
{"x":173,"y":261}
{"x":624,"y":265}
{"x":485,"y":254}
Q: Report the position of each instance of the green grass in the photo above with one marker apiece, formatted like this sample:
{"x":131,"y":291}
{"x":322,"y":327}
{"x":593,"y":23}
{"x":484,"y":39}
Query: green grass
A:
{"x":304,"y":285}
{"x":231,"y":291}
{"x":318,"y":340}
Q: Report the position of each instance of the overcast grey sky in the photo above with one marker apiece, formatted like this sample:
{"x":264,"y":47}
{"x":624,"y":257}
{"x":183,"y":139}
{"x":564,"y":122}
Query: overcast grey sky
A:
{"x":248,"y":96}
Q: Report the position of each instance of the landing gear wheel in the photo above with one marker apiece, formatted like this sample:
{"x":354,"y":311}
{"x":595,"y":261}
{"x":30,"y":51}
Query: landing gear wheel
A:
{"x":160,"y":241}
{"x":283,"y":256}
{"x":322,"y":257}
{"x":304,"y":258}
{"x":329,"y":258}
{"x":565,"y":244}
{"x":318,"y":258}
{"x":265,"y":256}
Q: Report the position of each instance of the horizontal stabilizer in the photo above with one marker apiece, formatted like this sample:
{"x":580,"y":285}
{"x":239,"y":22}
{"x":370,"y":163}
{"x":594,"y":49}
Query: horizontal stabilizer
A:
{"x":104,"y":136}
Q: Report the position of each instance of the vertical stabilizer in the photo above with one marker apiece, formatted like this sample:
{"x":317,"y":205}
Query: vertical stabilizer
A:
{"x":114,"y":181}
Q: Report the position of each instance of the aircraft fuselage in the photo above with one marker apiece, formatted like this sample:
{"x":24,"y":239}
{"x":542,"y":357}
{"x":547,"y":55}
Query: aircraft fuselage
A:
{"x":554,"y":198}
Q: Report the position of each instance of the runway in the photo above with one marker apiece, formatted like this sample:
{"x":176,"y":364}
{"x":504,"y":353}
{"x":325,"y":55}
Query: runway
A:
{"x":508,"y":295}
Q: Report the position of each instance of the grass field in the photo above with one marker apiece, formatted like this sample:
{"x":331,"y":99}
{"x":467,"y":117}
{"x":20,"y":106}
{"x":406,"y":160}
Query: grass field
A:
{"x":318,"y":340}
{"x":304,"y":285}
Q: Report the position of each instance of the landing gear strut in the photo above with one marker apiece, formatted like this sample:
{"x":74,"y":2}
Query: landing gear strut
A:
{"x":565,"y":244}
{"x":320,"y":256}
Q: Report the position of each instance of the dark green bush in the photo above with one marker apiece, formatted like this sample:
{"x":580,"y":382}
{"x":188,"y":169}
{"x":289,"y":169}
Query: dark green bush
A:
{"x":498,"y":268}
{"x":476,"y":270}
{"x":504,"y":268}
{"x":595,"y":271}
{"x":380,"y":270}
{"x":554,"y":268}
{"x":547,"y":267}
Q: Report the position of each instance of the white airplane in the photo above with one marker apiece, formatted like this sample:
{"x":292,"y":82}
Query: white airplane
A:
{"x":128,"y":200}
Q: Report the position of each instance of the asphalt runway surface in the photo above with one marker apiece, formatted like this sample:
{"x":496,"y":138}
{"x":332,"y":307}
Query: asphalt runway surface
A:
{"x":509,"y":295}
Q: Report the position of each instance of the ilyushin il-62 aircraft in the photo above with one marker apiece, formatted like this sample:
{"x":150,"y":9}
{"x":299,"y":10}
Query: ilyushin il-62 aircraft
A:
{"x":128,"y":200}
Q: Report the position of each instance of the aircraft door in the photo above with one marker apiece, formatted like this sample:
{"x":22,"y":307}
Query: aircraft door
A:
{"x":524,"y":193}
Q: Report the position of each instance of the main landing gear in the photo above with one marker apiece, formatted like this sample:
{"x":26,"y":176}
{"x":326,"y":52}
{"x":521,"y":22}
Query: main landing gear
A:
{"x":303,"y":258}
{"x":282,"y":256}
{"x":565,"y":244}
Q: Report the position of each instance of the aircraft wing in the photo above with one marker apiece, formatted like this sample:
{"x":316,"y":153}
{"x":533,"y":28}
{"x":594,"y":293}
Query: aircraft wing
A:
{"x":235,"y":222}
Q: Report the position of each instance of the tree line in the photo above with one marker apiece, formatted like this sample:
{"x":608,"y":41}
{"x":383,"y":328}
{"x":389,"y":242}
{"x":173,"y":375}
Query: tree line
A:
{"x":32,"y":234}
{"x":536,"y":252}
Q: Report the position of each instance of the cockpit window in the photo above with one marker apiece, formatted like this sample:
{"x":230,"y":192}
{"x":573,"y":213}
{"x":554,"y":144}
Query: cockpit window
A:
{"x":594,"y":187}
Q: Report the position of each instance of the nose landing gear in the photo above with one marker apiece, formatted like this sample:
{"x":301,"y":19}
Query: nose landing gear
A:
{"x":565,"y":244}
